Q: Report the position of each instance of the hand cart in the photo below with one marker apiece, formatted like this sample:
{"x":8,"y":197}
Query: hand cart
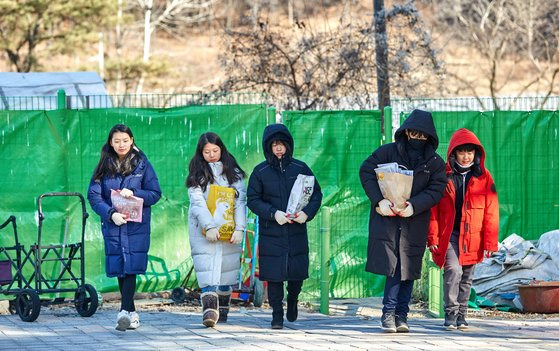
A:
{"x":250,"y":288}
{"x":68,"y":257}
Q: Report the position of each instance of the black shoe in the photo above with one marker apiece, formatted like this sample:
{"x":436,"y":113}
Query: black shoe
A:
{"x":388,"y":323}
{"x":450,"y":321}
{"x":277,"y":319}
{"x":402,"y":324}
{"x":291,"y":310}
{"x":461,"y":322}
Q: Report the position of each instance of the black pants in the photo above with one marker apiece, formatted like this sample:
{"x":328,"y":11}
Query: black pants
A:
{"x":127,"y":287}
{"x":275,"y":293}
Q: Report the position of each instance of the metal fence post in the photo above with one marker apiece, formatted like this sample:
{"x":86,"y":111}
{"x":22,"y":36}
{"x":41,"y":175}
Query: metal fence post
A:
{"x":387,"y":137}
{"x":61,"y":100}
{"x":325,"y":261}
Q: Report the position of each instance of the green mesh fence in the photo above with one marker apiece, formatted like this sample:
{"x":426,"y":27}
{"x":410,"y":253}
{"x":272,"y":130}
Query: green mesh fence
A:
{"x":521,"y":156}
{"x":334,"y":144}
{"x":49,"y":151}
{"x":57,"y":151}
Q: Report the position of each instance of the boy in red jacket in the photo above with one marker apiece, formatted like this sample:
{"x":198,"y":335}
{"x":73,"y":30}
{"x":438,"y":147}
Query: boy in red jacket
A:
{"x":464,"y":225}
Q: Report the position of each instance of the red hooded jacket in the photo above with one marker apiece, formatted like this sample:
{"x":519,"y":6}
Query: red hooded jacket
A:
{"x":479,"y":226}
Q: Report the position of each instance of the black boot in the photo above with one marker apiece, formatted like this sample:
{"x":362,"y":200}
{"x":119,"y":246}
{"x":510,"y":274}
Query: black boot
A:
{"x":277,"y":318}
{"x":275,"y":297}
{"x":461,"y":321}
{"x":388,"y":323}
{"x":450,"y":320}
{"x":402,"y":323}
{"x":210,"y":307}
{"x":291,"y":309}
{"x":224,"y":302}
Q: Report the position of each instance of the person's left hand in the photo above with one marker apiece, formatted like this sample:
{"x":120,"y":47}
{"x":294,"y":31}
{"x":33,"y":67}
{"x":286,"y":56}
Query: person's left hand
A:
{"x":237,"y":237}
{"x":487,"y":253}
{"x":301,"y":217}
{"x":406,"y":212}
{"x":126,"y":193}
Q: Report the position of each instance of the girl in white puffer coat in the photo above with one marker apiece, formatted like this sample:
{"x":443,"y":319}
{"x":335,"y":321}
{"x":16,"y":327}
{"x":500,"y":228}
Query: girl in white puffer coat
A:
{"x":216,"y":261}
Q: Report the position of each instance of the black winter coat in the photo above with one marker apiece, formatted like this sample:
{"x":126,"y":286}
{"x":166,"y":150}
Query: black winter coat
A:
{"x":283,"y":249}
{"x":398,"y":238}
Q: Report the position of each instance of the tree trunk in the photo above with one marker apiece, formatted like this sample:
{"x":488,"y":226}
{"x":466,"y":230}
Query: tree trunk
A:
{"x":290,"y":11}
{"x":101,"y":56}
{"x":255,"y":9}
{"x":147,"y":43}
{"x":229,"y":20}
{"x":118,"y":45}
{"x":381,"y":49}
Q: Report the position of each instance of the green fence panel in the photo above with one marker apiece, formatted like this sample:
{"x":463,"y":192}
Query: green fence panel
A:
{"x":334,"y":144}
{"x":44,"y":151}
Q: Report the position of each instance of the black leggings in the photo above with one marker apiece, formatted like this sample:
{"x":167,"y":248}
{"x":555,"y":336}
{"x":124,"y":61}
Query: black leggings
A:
{"x":127,"y":287}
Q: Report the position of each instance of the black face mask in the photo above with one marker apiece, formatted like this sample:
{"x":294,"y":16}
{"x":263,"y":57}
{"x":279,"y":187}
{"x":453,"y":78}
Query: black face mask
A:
{"x":417,"y":144}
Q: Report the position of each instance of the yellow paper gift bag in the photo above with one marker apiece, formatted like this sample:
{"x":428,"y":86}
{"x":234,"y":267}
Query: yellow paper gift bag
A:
{"x":221,"y":203}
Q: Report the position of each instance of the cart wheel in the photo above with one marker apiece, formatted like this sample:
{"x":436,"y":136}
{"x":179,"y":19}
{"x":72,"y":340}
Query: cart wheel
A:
{"x":258,"y":293}
{"x":86,"y":300}
{"x":28,"y":305}
{"x":178,"y":295}
{"x":12,"y":306}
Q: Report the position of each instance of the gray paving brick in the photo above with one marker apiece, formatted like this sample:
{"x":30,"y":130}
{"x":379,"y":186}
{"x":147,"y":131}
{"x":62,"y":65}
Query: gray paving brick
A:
{"x":249,"y":329}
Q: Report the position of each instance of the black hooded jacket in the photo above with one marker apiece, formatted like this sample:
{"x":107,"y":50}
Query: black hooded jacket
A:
{"x":283,"y":250}
{"x":398,"y":238}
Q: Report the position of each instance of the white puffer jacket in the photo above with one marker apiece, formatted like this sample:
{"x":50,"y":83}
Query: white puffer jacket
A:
{"x":215,"y":263}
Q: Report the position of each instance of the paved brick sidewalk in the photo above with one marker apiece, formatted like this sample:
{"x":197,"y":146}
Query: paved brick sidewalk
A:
{"x":64,"y":329}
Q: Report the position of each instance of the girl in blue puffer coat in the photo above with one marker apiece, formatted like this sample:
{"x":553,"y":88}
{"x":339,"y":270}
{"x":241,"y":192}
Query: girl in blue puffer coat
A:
{"x":124,"y":167}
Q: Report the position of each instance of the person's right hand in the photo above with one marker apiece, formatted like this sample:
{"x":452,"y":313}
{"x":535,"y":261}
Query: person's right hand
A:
{"x":384,"y":208}
{"x":118,"y":218}
{"x":434,"y":249}
{"x":212,"y":234}
{"x":281,"y":217}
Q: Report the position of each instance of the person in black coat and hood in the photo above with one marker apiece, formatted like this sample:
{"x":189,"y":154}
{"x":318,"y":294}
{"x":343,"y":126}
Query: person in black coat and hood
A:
{"x":283,"y":243}
{"x":397,"y":239}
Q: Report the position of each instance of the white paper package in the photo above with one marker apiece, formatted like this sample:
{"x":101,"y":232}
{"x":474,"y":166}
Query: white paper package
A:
{"x":300,"y":194}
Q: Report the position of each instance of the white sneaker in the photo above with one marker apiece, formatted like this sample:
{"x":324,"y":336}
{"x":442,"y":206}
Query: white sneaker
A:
{"x":122,"y":320}
{"x":134,"y":320}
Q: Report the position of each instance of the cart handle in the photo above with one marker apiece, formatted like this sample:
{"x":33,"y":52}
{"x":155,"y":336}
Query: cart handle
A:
{"x":12,"y":219}
{"x":40,"y":207}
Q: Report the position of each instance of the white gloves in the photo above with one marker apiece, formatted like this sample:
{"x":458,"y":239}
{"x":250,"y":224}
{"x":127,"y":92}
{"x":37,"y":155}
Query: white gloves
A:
{"x":281,"y":217}
{"x":406,"y":212}
{"x":301,"y":217}
{"x":237,"y":237}
{"x":126,"y":193}
{"x":384,"y":208}
{"x":118,"y":218}
{"x":212,"y":235}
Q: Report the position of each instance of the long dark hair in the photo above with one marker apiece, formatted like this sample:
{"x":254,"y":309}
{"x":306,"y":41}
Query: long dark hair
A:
{"x":109,"y":164}
{"x":200,"y":173}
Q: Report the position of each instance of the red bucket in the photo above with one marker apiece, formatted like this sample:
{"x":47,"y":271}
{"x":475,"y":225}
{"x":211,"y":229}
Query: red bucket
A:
{"x":540,"y":297}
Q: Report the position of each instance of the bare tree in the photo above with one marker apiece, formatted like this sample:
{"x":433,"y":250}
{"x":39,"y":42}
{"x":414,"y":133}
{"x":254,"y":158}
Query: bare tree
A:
{"x":170,"y":16}
{"x":307,"y":69}
{"x":517,"y":41}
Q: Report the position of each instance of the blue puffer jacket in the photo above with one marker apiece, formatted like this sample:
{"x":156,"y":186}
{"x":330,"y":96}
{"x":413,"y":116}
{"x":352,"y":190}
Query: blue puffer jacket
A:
{"x":283,"y":249}
{"x":126,"y":247}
